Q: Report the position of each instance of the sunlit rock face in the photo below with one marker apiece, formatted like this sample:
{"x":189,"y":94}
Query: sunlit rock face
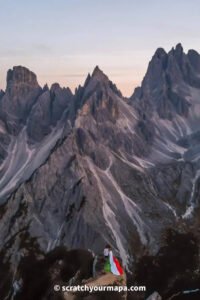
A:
{"x":92,"y":168}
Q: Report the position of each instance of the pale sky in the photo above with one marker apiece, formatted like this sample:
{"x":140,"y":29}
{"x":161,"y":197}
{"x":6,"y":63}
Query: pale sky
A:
{"x":63,"y":40}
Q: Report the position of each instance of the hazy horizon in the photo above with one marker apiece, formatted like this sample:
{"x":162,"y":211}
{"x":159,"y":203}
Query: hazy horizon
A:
{"x":62,"y":41}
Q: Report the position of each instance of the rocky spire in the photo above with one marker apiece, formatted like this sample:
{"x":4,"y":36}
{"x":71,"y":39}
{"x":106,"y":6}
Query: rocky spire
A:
{"x":160,"y":52}
{"x":21,"y":75}
{"x":179,"y":48}
{"x":178,"y":53}
{"x":99,"y":74}
{"x":96,"y":78}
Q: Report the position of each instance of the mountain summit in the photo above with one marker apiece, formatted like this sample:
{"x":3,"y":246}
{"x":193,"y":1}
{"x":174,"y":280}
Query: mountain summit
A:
{"x":20,"y":78}
{"x":168,"y":82}
{"x":99,"y":75}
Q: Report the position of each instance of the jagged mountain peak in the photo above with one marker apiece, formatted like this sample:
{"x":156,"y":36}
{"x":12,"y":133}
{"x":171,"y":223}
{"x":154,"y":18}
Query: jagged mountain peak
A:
{"x":55,"y":87}
{"x":45,"y":88}
{"x":98,"y":80}
{"x":98,"y":74}
{"x":166,"y":73}
{"x":179,"y":47}
{"x":160,"y":52}
{"x":21,"y":75}
{"x":97,"y":77}
{"x":178,"y":54}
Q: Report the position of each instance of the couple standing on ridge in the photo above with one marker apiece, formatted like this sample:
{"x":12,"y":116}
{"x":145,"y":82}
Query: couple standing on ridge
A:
{"x":112,"y":264}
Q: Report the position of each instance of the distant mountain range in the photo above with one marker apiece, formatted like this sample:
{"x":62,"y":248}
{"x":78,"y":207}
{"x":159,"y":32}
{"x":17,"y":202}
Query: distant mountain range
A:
{"x":94,"y":167}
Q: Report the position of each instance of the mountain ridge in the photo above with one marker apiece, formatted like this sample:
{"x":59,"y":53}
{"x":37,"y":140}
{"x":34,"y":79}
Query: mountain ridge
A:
{"x":178,"y":48}
{"x":91,"y":168}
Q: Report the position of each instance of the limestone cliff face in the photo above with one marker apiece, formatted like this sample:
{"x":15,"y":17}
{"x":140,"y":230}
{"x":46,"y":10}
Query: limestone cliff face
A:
{"x":93,"y":168}
{"x":21,"y":93}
